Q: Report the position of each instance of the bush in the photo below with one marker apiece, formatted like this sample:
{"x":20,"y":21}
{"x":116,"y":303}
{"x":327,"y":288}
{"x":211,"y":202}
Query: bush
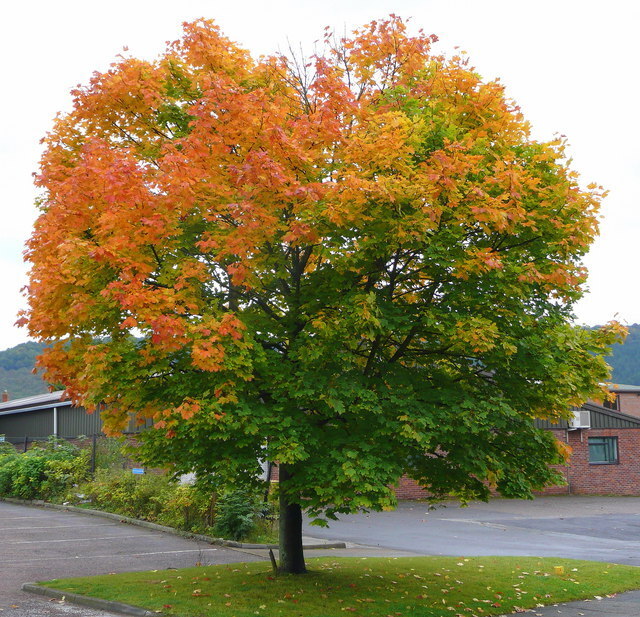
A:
{"x":189,"y":508}
{"x":237,"y":515}
{"x":59,"y":471}
{"x":46,"y":471}
{"x":123,"y":492}
{"x":6,"y":449}
{"x":109,"y":453}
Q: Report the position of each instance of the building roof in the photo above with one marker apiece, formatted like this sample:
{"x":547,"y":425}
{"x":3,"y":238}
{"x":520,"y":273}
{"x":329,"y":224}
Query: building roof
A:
{"x":31,"y":403}
{"x":620,"y":387}
{"x":601,"y":417}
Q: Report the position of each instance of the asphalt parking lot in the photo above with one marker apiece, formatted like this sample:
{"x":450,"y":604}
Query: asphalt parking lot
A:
{"x":39,"y":544}
{"x":599,"y":528}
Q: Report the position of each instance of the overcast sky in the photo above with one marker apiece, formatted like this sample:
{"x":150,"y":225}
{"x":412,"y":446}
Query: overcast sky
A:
{"x":572,"y":66}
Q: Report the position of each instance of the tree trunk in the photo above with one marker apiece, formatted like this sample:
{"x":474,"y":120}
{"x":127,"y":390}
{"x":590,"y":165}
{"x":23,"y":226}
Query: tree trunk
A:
{"x":291,"y":552}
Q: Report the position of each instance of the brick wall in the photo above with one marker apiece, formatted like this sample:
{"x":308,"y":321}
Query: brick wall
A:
{"x":629,"y":403}
{"x":410,"y":489}
{"x":622,"y":478}
{"x":582,"y":477}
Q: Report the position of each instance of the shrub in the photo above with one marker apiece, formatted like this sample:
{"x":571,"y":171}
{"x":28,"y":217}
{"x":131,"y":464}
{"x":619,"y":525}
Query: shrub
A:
{"x":109,"y":453}
{"x":44,"y":472}
{"x":122,"y":492}
{"x":237,"y":514}
{"x":189,"y":508}
{"x":6,"y":449}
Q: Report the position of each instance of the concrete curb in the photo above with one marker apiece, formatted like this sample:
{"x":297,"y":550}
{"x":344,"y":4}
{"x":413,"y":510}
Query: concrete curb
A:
{"x":164,"y":529}
{"x":103,"y":605}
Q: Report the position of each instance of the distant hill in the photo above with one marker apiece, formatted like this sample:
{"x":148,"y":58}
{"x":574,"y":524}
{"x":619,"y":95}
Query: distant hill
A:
{"x":625,"y":358}
{"x":16,"y":365}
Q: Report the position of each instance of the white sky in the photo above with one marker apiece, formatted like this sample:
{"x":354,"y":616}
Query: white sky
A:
{"x":572,"y":65}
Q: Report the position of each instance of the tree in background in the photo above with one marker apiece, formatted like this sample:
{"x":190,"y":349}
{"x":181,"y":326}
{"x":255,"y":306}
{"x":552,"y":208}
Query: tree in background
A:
{"x":359,"y":266}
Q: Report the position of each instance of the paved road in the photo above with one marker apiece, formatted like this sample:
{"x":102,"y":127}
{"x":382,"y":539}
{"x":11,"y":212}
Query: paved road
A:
{"x":599,"y":528}
{"x":38,"y":544}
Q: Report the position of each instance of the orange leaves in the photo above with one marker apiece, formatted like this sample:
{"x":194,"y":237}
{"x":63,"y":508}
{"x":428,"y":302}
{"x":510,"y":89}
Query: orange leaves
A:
{"x":476,"y":262}
{"x":188,"y":408}
{"x":207,"y":355}
{"x":128,"y":322}
{"x":564,"y":449}
{"x":203,"y":45}
{"x":381,"y":46}
{"x":208,"y":350}
{"x":231,"y":326}
{"x":168,"y":332}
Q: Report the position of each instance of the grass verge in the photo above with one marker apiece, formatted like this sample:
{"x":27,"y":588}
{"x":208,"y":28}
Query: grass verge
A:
{"x":365,"y":587}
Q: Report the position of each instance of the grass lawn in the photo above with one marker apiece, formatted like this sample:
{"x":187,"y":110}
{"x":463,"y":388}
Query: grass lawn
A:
{"x":371,"y":587}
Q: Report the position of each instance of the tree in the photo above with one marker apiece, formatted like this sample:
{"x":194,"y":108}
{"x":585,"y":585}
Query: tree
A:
{"x":357,"y":266}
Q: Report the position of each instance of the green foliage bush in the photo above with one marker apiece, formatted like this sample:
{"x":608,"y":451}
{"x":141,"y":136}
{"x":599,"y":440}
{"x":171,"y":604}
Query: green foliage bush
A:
{"x":46,"y":471}
{"x":60,"y":472}
{"x":189,"y":508}
{"x":238,"y":514}
{"x":6,"y":449}
{"x":122,"y":492}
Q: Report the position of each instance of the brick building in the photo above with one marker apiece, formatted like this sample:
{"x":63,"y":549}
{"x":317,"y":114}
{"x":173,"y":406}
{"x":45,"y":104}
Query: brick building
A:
{"x":605,"y":450}
{"x":627,"y":399}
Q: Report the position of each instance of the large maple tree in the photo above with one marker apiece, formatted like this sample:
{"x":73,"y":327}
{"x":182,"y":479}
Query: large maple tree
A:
{"x":357,"y":266}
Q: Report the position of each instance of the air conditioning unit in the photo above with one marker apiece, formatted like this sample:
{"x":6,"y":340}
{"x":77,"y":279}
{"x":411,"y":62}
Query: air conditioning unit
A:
{"x":581,"y":419}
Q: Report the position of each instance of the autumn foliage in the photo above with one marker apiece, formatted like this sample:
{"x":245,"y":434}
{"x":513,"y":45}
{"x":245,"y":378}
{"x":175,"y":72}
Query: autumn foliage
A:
{"x":357,"y":265}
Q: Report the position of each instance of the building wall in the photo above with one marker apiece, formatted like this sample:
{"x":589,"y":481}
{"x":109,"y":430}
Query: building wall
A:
{"x":410,"y":489}
{"x":37,"y":425}
{"x":582,"y":477}
{"x":33,"y":424}
{"x":622,"y":478}
{"x":629,"y":402}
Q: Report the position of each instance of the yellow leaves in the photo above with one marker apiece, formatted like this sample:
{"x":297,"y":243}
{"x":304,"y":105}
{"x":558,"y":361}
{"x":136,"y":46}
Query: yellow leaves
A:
{"x":478,"y":261}
{"x":475,"y":334}
{"x":385,"y":142}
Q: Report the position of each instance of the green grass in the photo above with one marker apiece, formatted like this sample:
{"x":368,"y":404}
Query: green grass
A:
{"x":372,"y":587}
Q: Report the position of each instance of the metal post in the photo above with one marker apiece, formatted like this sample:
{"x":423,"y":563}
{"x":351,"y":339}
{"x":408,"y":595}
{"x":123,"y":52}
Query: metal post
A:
{"x":25,"y":443}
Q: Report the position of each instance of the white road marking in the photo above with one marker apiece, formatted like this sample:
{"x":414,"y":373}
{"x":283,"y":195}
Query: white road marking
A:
{"x":468,"y":520}
{"x":74,"y":540}
{"x":11,"y":518}
{"x":60,"y":527}
{"x":108,"y":556}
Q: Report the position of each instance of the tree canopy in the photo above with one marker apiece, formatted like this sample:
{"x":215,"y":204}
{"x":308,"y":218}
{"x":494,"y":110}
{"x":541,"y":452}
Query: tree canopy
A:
{"x":357,"y":265}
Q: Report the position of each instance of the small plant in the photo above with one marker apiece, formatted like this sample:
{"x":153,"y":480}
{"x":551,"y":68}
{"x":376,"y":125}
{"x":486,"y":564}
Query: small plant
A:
{"x":122,"y":492}
{"x":189,"y":508}
{"x":6,"y":449}
{"x":237,"y":514}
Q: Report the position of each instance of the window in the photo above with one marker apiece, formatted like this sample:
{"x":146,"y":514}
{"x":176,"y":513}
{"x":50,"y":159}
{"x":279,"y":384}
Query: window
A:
{"x":614,"y":404}
{"x":603,"y":450}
